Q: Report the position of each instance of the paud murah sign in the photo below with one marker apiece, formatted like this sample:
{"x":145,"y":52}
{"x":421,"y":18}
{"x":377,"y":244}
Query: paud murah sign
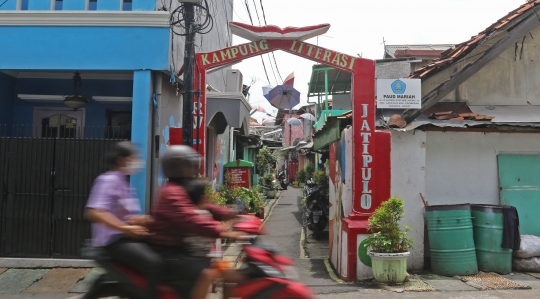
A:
{"x":399,"y":94}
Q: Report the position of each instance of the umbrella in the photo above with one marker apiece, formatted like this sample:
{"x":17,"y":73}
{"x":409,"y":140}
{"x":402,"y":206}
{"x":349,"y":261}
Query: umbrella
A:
{"x":289,"y":80}
{"x":284,"y":97}
{"x":266,"y":90}
{"x":308,"y":116}
{"x":258,"y":108}
{"x":294,"y":121}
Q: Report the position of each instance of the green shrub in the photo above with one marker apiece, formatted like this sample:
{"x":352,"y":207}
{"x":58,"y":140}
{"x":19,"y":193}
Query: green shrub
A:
{"x":265,"y":160}
{"x":388,"y":236}
{"x":301,"y":176}
{"x":310,"y":169}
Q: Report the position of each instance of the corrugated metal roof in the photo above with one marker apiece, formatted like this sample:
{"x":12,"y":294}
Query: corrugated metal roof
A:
{"x":391,"y":49}
{"x":462,"y":50}
{"x":338,"y":81}
{"x":508,"y":116}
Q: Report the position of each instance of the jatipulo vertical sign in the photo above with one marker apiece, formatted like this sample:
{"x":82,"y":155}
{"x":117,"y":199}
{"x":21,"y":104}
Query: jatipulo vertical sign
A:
{"x":399,"y":94}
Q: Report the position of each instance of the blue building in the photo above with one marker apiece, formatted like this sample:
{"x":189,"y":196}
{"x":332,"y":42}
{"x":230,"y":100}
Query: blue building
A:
{"x":117,"y":63}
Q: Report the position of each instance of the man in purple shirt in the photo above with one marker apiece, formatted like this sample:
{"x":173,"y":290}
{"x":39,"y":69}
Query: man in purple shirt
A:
{"x":117,"y":225}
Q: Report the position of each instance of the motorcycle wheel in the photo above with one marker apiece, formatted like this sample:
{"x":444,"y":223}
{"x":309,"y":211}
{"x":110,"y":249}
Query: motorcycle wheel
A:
{"x":317,"y":230}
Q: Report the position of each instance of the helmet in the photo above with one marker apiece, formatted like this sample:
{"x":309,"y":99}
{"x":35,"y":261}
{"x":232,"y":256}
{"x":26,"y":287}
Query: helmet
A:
{"x":180,"y":161}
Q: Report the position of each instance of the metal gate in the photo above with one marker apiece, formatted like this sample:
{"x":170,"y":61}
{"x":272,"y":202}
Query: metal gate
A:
{"x":44,"y":186}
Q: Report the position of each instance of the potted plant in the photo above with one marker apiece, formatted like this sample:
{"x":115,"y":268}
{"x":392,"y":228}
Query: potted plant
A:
{"x":389,"y":244}
{"x":269,"y":186}
{"x":301,"y":177}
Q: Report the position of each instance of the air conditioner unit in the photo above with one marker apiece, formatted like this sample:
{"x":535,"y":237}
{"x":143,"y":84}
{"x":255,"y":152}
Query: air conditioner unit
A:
{"x":234,"y":81}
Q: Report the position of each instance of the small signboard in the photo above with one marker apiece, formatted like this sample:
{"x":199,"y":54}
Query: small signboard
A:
{"x":239,"y":176}
{"x":239,"y":173}
{"x":399,"y":94}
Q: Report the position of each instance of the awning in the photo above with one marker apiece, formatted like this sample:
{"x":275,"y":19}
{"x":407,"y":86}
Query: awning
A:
{"x":331,"y":131}
{"x":339,"y":82}
{"x":324,"y":117}
{"x":327,"y":135}
{"x":227,"y":108}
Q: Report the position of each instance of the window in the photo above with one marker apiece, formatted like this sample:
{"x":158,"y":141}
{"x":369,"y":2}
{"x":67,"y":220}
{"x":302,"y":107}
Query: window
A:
{"x":24,"y":5}
{"x":92,"y":5}
{"x":127,"y":5}
{"x":58,"y":4}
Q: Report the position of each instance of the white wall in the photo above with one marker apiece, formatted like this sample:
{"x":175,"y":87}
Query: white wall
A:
{"x":462,"y":167}
{"x":408,"y":180}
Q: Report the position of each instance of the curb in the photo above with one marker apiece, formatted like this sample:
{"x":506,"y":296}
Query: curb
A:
{"x":34,"y":263}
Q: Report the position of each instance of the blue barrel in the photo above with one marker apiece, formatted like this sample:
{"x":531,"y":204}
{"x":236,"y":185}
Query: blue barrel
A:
{"x":451,"y":242}
{"x":488,"y":234}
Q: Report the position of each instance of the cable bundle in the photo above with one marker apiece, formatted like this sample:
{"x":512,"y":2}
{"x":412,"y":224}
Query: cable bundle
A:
{"x":177,"y":20}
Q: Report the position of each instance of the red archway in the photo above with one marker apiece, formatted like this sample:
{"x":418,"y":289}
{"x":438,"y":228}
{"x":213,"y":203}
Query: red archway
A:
{"x":371,"y":148}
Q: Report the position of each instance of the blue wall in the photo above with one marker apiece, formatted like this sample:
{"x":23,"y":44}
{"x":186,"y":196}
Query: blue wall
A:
{"x":95,"y":111}
{"x":7,"y":97}
{"x":84,"y":48}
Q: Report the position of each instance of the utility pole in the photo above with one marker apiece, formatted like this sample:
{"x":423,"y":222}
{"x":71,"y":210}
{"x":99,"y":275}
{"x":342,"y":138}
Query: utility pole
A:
{"x":189,"y":58}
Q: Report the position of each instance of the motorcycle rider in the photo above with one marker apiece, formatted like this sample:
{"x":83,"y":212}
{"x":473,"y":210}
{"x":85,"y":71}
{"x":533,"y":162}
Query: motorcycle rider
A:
{"x":114,"y":211}
{"x":176,"y":218}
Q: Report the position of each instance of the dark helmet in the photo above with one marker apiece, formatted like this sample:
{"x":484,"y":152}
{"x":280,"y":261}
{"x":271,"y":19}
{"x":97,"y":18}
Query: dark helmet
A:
{"x":180,"y":161}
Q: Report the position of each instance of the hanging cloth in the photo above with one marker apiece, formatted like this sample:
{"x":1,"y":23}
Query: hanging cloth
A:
{"x":511,"y":237}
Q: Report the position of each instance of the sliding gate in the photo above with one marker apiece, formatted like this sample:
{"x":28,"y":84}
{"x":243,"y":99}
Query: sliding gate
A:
{"x":44,"y":186}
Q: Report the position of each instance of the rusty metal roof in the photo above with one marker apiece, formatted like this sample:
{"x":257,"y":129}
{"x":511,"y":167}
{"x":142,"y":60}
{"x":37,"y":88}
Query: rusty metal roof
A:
{"x":462,"y":50}
{"x":461,"y":115}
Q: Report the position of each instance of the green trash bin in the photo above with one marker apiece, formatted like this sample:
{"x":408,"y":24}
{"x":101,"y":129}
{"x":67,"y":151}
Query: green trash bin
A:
{"x":451,"y":242}
{"x":488,"y":232}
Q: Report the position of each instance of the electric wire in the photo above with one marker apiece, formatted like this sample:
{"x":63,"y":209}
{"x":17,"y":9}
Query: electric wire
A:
{"x":251,"y":20}
{"x":177,"y":20}
{"x":265,"y":23}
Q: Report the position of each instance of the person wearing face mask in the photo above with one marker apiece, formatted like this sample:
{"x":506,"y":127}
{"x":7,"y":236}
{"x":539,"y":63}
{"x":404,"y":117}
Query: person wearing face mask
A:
{"x":117,"y":224}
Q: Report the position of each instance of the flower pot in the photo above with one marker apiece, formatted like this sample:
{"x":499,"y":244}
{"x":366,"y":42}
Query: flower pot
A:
{"x":302,"y":185}
{"x":389,"y":267}
{"x":271,"y":194}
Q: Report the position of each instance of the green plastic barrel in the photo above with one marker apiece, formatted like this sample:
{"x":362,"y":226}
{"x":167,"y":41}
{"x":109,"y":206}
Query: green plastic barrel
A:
{"x":451,"y":242}
{"x":488,"y":232}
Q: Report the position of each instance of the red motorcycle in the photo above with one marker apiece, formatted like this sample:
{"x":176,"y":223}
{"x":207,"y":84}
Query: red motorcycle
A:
{"x":268,"y":274}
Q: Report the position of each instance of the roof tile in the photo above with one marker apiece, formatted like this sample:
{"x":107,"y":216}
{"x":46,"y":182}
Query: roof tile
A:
{"x":461,"y":50}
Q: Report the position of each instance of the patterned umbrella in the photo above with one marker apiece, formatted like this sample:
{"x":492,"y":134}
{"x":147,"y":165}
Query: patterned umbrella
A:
{"x":284,"y":97}
{"x":308,"y":116}
{"x":294,"y":121}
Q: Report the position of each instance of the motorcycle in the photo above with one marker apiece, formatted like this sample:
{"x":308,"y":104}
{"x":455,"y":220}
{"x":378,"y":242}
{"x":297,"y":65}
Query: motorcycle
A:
{"x":316,"y":211}
{"x":282,"y":180}
{"x":267,"y":274}
{"x":310,"y":184}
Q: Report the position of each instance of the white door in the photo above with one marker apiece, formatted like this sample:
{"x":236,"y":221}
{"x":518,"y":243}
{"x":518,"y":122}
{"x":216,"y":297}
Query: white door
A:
{"x":58,"y":122}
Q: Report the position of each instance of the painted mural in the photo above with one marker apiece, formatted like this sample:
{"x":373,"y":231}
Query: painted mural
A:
{"x":340,"y":193}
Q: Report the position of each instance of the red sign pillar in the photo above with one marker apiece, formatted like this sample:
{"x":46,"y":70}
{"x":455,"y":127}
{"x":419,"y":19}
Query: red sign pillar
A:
{"x":371,"y":148}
